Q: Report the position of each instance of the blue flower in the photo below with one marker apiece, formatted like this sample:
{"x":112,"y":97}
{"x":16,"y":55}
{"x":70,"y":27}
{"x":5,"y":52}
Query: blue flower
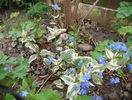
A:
{"x":130,"y":66}
{"x":85,"y":84}
{"x":83,"y":91}
{"x":100,"y":74}
{"x":86,"y":77}
{"x":56,"y":7}
{"x":8,"y":68}
{"x":93,"y":97}
{"x":80,"y":62}
{"x":67,"y":73}
{"x":118,"y":46}
{"x":99,"y":98}
{"x":73,"y":69}
{"x":50,"y":60}
{"x":71,"y":39}
{"x":114,"y":81}
{"x":76,"y":88}
{"x":127,"y":54}
{"x":102,"y":60}
{"x":24,"y":93}
{"x":117,"y":80}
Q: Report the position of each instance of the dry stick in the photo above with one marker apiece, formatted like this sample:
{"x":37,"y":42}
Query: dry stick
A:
{"x":58,"y":13}
{"x":74,"y":14}
{"x":90,"y":10}
{"x":44,"y":83}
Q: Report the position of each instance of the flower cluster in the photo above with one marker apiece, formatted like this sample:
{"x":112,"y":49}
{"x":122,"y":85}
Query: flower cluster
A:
{"x":118,"y":46}
{"x":80,"y":62}
{"x":55,"y":6}
{"x":114,"y":81}
{"x":84,"y":86}
{"x":86,"y":77}
{"x":24,"y":93}
{"x":102,"y":60}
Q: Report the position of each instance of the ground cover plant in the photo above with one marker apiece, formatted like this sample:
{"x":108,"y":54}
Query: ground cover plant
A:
{"x":57,"y":58}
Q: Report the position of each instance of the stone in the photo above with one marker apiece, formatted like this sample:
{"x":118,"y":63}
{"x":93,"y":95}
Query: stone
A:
{"x":64,"y":36}
{"x":85,"y":47}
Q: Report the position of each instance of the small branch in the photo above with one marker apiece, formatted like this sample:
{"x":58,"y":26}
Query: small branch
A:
{"x":44,"y":83}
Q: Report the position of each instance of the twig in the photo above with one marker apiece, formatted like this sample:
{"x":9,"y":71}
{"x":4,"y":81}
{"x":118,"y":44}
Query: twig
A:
{"x":44,"y":83}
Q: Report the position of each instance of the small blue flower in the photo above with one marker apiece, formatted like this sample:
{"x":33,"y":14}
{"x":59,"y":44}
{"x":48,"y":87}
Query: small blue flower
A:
{"x":67,"y":73}
{"x":8,"y":68}
{"x":73,"y":69}
{"x":102,"y":60}
{"x":56,"y":7}
{"x":24,"y":93}
{"x":114,"y":81}
{"x":117,"y":80}
{"x":127,"y":54}
{"x":111,"y":46}
{"x":83,"y":91}
{"x":71,"y":39}
{"x":85,"y":84}
{"x":76,"y":88}
{"x":99,"y":98}
{"x":80,"y":62}
{"x":93,"y":97}
{"x":86,"y":77}
{"x":50,"y":60}
{"x":130,"y":66}
{"x":100,"y":74}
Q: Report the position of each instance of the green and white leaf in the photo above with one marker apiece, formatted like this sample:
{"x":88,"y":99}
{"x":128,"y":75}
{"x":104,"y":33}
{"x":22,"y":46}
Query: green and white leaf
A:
{"x":113,"y":65}
{"x":71,"y":92}
{"x":59,"y":84}
{"x":45,"y":52}
{"x":54,"y":32}
{"x":97,"y":79}
{"x":69,"y":55}
{"x":109,"y":53}
{"x":32,"y":46}
{"x":33,"y":57}
{"x":68,"y":79}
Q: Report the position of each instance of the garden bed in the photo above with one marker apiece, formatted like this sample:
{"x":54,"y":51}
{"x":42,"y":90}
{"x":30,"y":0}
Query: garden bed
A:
{"x":54,"y":59}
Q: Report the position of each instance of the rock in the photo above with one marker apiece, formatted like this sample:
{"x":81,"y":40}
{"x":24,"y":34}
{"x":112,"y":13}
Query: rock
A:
{"x":64,"y":36}
{"x":126,"y":94}
{"x":85,"y":47}
{"x":114,"y":96}
{"x":128,"y":86}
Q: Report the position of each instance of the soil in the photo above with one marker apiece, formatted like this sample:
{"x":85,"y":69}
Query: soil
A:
{"x":122,"y":91}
